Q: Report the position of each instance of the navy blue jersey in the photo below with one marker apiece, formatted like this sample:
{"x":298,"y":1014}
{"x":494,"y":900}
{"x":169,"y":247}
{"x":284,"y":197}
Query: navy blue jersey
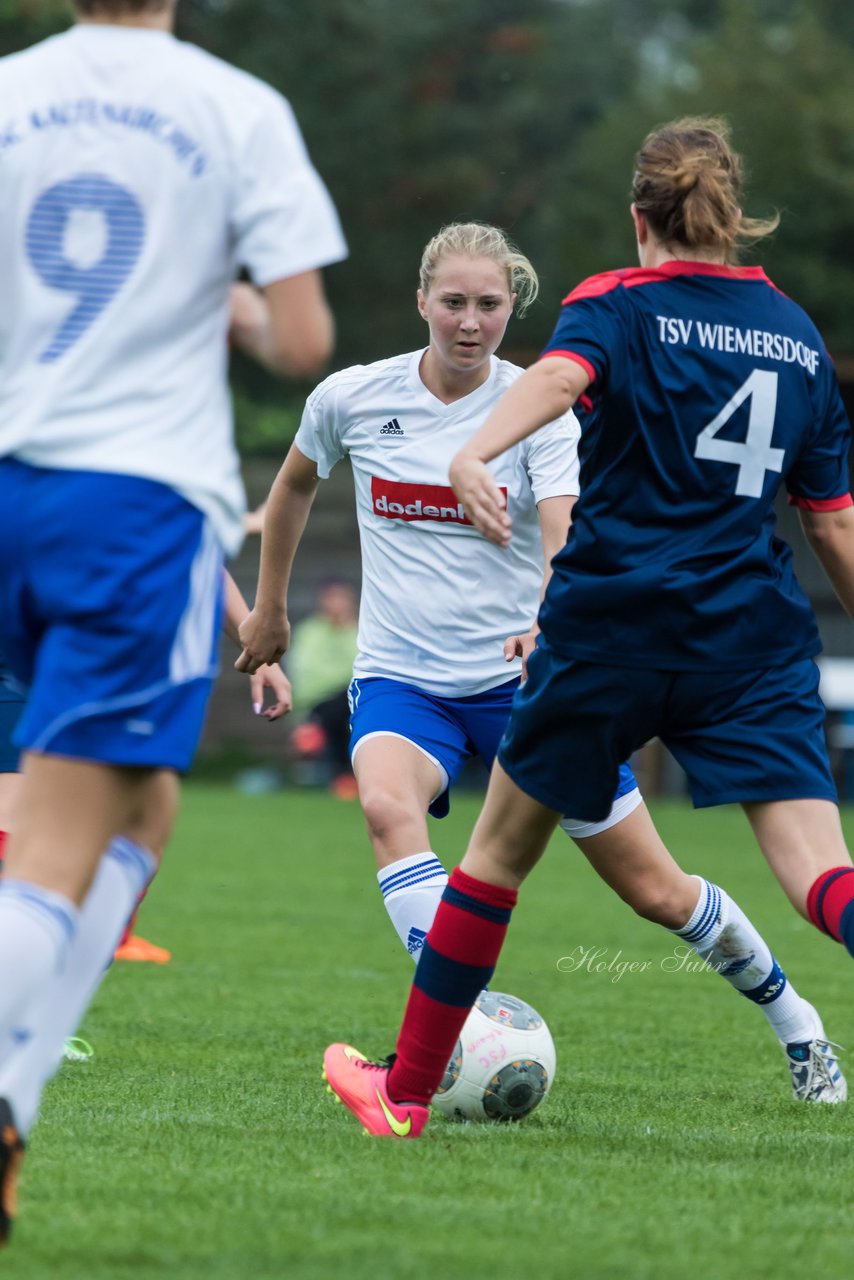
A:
{"x":709,"y":389}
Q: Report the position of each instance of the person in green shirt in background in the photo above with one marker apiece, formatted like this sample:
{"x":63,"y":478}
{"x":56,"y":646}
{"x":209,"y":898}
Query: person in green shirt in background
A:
{"x":320,"y":666}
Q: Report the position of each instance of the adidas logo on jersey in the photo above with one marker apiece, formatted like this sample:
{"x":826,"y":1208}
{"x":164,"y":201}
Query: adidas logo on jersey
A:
{"x":392,"y":428}
{"x":415,"y":940}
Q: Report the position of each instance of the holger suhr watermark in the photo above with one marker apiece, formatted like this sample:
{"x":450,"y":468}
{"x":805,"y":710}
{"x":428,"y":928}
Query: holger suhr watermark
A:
{"x":614,"y":966}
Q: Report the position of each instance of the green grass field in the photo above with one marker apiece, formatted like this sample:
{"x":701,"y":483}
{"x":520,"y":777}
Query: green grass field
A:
{"x":200,"y":1143}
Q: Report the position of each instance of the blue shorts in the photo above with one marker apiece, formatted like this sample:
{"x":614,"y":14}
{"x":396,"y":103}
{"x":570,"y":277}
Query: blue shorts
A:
{"x":11,"y":705}
{"x":740,"y":736}
{"x":110,"y":599}
{"x":448,"y":731}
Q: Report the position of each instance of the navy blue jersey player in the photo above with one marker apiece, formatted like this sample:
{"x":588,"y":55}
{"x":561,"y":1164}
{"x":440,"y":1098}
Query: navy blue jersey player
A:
{"x":673,"y":611}
{"x":707,"y":388}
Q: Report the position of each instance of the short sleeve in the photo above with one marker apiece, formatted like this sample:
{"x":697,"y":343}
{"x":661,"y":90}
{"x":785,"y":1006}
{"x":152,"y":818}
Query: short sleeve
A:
{"x":284,"y":221}
{"x":552,"y":459}
{"x":819,"y":479}
{"x":319,"y":434}
{"x":589,"y":328}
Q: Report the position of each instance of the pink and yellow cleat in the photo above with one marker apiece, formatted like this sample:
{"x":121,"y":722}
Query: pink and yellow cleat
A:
{"x":362,"y":1086}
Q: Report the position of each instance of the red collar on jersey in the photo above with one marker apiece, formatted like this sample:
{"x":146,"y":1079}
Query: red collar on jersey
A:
{"x":593,"y":286}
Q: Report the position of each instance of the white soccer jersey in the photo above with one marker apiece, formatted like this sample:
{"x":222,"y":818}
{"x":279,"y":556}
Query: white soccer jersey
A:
{"x":137,"y":174}
{"x":438,"y":600}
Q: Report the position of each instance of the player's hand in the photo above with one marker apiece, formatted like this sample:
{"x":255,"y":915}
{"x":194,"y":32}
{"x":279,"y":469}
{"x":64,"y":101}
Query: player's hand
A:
{"x":521,"y":647}
{"x":271,"y":677}
{"x":253,"y":521}
{"x":476,"y":487}
{"x":248,"y":311}
{"x":265,"y":636}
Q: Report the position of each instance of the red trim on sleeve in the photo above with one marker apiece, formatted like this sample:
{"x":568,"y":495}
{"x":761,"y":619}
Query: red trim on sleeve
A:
{"x":821,"y":504}
{"x":594,"y":286}
{"x":573,"y":355}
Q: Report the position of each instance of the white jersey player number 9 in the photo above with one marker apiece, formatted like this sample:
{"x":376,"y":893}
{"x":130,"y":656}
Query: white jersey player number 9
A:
{"x":50,"y":233}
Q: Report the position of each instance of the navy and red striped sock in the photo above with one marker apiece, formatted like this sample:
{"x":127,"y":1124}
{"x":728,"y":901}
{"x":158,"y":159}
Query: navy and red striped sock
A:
{"x":830,"y":905}
{"x":458,"y":960}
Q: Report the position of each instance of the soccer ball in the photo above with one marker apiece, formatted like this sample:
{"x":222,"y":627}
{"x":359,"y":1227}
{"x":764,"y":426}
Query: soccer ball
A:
{"x":503,"y":1065}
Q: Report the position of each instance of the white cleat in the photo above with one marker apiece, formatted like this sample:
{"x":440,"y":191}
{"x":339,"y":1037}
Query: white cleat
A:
{"x":816,"y":1075}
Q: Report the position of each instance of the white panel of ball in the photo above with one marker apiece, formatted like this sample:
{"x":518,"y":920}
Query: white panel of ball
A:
{"x":503,"y":1065}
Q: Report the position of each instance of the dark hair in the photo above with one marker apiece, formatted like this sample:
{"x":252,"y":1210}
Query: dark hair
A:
{"x":688,"y":183}
{"x":114,"y":8}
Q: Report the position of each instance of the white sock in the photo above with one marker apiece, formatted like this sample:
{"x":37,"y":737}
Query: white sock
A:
{"x":37,"y":927}
{"x":411,"y":889}
{"x":124,"y":872}
{"x":721,"y":933}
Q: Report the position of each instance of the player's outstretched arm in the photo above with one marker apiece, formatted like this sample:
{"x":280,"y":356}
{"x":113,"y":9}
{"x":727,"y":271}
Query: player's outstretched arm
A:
{"x":270,"y":676}
{"x":265,"y":634}
{"x":287,"y":326}
{"x":544,"y":392}
{"x":555,"y":516}
{"x":831,"y":536}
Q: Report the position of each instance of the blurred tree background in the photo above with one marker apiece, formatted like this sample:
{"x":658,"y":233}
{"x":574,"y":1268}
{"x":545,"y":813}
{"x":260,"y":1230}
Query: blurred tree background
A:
{"x":527,"y":113}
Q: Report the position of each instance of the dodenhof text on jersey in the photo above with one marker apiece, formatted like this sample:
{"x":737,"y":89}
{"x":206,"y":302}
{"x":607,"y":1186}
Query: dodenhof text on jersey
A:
{"x":400,"y":500}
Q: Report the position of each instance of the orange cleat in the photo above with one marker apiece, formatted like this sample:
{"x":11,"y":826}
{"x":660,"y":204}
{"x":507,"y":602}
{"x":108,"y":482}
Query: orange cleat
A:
{"x":137,"y":948}
{"x":11,"y":1155}
{"x":363,"y":1088}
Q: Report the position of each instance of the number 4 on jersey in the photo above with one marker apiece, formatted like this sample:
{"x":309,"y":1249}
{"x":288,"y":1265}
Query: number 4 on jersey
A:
{"x":753,"y":456}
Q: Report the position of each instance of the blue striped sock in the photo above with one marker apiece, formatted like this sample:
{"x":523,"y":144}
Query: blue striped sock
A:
{"x":732,"y":946}
{"x":412,"y":888}
{"x":704,"y":928}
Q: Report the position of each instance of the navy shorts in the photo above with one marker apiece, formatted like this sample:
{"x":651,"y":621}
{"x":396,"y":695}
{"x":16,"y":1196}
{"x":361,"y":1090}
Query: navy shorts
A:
{"x":740,"y":736}
{"x":110,"y":598}
{"x":447,"y":730}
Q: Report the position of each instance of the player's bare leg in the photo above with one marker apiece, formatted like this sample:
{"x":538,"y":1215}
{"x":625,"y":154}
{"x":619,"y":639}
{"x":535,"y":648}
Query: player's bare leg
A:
{"x":150,"y":828}
{"x":511,"y":834}
{"x":801,"y":840}
{"x":68,"y":812}
{"x":803,"y":843}
{"x":397,"y":783}
{"x":632,"y":858}
{"x":9,"y":788}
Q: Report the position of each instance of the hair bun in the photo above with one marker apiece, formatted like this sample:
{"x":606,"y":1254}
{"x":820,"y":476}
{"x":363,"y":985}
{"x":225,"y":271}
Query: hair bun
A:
{"x":687,"y":183}
{"x":686,"y":180}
